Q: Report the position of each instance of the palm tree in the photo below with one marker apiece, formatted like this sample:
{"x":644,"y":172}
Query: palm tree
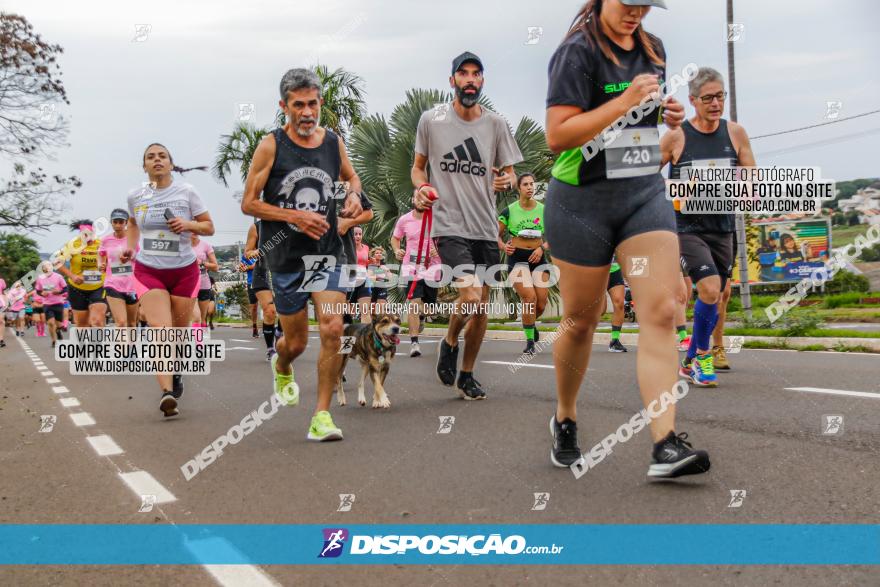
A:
{"x":382,"y":154}
{"x":344,"y":96}
{"x":344,"y":106}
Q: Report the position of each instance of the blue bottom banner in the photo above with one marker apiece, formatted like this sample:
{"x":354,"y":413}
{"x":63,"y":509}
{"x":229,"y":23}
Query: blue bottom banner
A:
{"x":522,"y":544}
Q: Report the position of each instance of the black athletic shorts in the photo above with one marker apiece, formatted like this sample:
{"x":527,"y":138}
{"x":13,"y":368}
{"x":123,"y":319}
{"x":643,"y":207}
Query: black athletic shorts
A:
{"x":206,"y":295}
{"x":38,"y":310}
{"x":129,"y":298}
{"x":585,"y":224}
{"x":458,"y":251}
{"x":55,"y":312}
{"x":378,"y":293}
{"x":707,"y":253}
{"x":615,"y":278}
{"x":260,"y":280}
{"x":521,"y":257}
{"x":81,"y":299}
{"x":423,"y":292}
{"x":361,"y":291}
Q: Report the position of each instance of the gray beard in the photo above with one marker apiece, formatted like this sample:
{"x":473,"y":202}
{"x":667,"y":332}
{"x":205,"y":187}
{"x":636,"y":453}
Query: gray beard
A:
{"x":307,"y":133}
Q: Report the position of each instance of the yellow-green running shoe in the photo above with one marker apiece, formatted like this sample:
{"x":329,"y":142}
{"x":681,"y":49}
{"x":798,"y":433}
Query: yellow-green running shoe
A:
{"x":284,"y":385}
{"x":323,"y":428}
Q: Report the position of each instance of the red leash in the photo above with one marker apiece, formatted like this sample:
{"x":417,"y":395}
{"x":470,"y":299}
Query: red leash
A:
{"x":427,"y":221}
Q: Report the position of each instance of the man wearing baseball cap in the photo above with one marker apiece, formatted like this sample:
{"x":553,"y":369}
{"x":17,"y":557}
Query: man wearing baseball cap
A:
{"x":471,"y":152}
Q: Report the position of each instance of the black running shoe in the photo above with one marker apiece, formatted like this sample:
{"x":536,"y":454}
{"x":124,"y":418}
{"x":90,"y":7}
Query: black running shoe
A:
{"x":616,"y":346}
{"x":58,"y":334}
{"x":3,"y":344}
{"x":447,"y":363}
{"x":168,"y":404}
{"x":565,"y":451}
{"x":254,"y":332}
{"x":674,"y":456}
{"x":469,"y":388}
{"x":530,"y":347}
{"x":177,"y":386}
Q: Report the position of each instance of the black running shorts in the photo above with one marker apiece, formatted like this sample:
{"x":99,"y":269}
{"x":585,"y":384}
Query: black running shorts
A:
{"x":585,"y":224}
{"x":707,"y":253}
{"x":458,"y":251}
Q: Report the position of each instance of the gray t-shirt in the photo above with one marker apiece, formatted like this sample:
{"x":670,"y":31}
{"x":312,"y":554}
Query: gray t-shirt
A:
{"x":461,"y":156}
{"x":159,"y":247}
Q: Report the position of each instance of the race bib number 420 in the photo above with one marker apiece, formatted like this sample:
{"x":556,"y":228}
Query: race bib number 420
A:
{"x":634,"y":153}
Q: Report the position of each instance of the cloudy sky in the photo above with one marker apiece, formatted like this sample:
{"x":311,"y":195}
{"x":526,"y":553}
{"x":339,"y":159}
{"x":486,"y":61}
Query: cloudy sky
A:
{"x":181,"y":83}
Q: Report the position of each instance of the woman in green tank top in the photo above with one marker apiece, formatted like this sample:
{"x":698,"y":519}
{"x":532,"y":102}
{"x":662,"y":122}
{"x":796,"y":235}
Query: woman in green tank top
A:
{"x":526,"y":266}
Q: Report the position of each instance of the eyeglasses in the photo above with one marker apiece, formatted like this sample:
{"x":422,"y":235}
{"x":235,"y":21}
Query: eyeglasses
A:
{"x":707,"y":99}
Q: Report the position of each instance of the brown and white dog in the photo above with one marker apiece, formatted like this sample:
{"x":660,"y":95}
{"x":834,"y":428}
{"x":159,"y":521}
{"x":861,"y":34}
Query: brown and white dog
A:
{"x":374,"y":346}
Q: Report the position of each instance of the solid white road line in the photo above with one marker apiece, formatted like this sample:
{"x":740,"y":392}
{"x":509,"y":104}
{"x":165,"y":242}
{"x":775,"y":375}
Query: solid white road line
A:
{"x":520,"y":364}
{"x":142,"y":483}
{"x":60,"y":389}
{"x":82,"y":419}
{"x":104,"y":445}
{"x":240,"y":348}
{"x":242,"y":340}
{"x":835,"y":392}
{"x":69,"y":402}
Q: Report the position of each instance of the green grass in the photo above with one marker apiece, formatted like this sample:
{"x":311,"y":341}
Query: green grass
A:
{"x":844,"y":235}
{"x":840,"y":348}
{"x":815,"y":332}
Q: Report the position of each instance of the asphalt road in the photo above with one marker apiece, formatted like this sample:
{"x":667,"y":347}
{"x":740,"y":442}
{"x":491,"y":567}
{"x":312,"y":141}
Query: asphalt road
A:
{"x":763,"y":435}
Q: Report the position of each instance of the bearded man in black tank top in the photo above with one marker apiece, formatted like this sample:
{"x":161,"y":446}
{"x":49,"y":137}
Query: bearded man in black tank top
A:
{"x":707,"y":241}
{"x":296,"y":169}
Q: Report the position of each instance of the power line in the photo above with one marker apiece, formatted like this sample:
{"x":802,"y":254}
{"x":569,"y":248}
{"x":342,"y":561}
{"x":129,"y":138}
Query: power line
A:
{"x":784,"y":132}
{"x":821,"y":143}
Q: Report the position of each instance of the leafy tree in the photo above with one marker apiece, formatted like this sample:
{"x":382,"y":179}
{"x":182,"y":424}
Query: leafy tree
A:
{"x":18,"y":255}
{"x":344,"y":106}
{"x":30,"y":90}
{"x":345,"y":103}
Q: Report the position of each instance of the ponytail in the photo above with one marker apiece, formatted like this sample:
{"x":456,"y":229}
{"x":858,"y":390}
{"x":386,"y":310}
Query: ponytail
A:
{"x":183,"y":170}
{"x":174,"y":167}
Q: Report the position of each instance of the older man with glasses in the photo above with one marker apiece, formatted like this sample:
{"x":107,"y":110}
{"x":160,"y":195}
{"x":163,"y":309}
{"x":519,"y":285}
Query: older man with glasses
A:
{"x":707,"y":241}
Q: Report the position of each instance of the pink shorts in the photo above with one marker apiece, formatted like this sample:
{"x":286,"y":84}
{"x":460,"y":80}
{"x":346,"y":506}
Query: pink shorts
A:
{"x":181,"y":281}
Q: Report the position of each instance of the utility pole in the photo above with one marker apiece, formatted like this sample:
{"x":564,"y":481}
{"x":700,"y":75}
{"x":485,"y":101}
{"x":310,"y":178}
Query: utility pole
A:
{"x":238,"y":260}
{"x":741,"y":238}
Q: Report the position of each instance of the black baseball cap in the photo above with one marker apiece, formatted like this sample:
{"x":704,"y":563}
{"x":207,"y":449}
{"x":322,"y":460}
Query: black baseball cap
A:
{"x":466,"y":57}
{"x":118,"y":214}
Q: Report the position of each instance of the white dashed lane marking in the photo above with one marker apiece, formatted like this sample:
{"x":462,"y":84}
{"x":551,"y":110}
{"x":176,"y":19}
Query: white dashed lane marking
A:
{"x":53,"y":380}
{"x":69,"y":402}
{"x":142,"y":483}
{"x":60,"y":389}
{"x":233,"y":575}
{"x":82,"y":419}
{"x":104,"y":445}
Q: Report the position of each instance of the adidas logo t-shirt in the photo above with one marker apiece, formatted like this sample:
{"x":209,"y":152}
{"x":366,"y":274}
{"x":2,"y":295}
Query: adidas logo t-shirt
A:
{"x":461,"y":156}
